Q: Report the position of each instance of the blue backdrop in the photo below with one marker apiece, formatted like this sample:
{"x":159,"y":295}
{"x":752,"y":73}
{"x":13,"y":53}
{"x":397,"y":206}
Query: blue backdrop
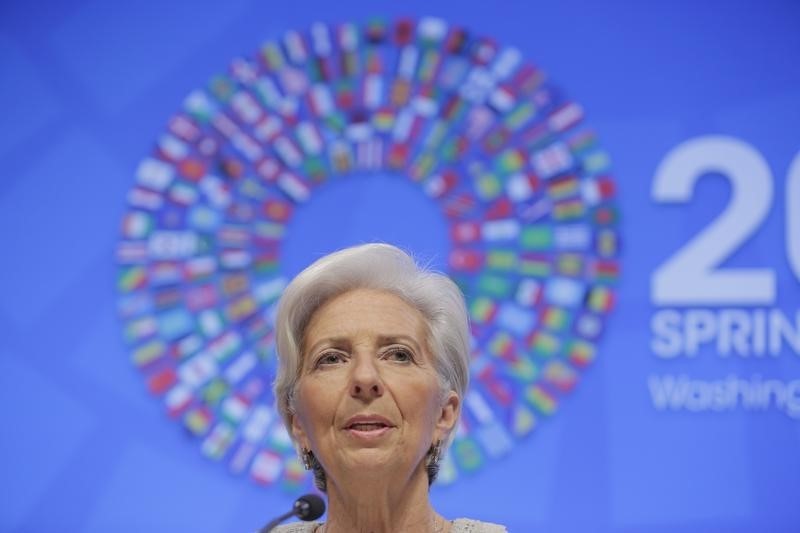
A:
{"x":686,"y":419}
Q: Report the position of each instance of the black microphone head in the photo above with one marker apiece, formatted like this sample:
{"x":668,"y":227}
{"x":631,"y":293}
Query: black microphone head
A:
{"x":309,"y":507}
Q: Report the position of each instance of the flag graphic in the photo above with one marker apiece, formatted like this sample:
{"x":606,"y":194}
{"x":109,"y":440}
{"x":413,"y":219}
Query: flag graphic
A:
{"x":518,"y":320}
{"x":523,"y":369}
{"x":234,"y":409}
{"x":140,"y":328}
{"x":588,"y":326}
{"x":501,"y":344}
{"x":554,"y":159}
{"x":175,"y":323}
{"x":540,"y":399}
{"x":565,"y":117}
{"x":607,"y":242}
{"x":534,"y":265}
{"x":145,"y":199}
{"x":527,"y":192}
{"x":375,"y":31}
{"x":241,"y":457}
{"x":467,"y":454}
{"x":266,"y":468}
{"x":569,"y":264}
{"x":543,"y":343}
{"x":572,"y":237}
{"x":568,"y":209}
{"x":277,"y":210}
{"x":236,"y":371}
{"x":501,"y":260}
{"x":482,"y":310}
{"x":218,"y":441}
{"x":159,"y":382}
{"x":596,"y":162}
{"x":580,"y":352}
{"x":494,"y":439}
{"x":466,"y":260}
{"x":186,"y":346}
{"x":293,"y":474}
{"x":520,"y":116}
{"x":149,"y":352}
{"x":564,"y":292}
{"x":560,"y":376}
{"x":529,"y":292}
{"x":214,"y":392}
{"x":459,"y":205}
{"x":137,"y":225}
{"x":596,"y":190}
{"x":536,"y":237}
{"x":605,"y":271}
{"x":600,"y":299}
{"x":500,"y":230}
{"x":523,"y":421}
{"x":177,"y":400}
{"x":555,"y":318}
{"x":605,"y":215}
{"x":563,"y":187}
{"x":440,"y":184}
{"x":493,"y":285}
{"x":198,"y":420}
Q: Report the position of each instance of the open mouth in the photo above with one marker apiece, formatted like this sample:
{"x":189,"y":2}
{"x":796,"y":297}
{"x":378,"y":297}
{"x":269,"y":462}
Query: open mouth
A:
{"x":367,"y":426}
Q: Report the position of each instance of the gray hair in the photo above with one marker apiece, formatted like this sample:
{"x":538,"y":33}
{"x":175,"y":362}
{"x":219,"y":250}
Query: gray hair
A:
{"x":380,"y":267}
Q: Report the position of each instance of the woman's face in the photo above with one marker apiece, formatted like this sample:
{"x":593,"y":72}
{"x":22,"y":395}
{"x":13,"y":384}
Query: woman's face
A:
{"x":368,"y":393}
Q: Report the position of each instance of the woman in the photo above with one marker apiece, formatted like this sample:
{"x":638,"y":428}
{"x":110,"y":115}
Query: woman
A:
{"x":374,"y":362}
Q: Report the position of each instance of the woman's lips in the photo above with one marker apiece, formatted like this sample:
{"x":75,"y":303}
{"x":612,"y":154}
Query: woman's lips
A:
{"x":367,"y":426}
{"x":368,"y":431}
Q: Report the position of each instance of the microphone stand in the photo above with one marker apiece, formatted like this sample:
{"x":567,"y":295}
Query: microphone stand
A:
{"x":275,"y":522}
{"x":306,"y":507}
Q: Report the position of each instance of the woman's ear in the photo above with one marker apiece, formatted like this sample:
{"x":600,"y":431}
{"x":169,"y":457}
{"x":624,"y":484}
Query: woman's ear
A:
{"x":448,"y":416}
{"x":299,"y":433}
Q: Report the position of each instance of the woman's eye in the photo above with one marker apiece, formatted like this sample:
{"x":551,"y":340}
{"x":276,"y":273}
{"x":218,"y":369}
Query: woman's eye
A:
{"x":400,"y":355}
{"x":329,"y":358}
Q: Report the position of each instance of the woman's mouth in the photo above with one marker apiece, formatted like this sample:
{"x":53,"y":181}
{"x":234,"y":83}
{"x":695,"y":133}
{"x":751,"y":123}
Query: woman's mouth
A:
{"x":367,"y":427}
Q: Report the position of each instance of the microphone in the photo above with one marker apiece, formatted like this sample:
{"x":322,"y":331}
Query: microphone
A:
{"x":306,"y":507}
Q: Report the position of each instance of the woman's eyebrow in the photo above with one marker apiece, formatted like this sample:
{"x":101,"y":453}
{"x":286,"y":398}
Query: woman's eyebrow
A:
{"x":330,"y":342}
{"x":344,"y":342}
{"x":401,"y":339}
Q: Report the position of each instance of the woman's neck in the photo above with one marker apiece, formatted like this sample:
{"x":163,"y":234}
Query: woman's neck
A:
{"x":376,"y":502}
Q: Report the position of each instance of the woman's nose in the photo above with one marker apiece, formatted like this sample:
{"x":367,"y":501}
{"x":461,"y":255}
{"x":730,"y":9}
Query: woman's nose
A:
{"x":366,"y":381}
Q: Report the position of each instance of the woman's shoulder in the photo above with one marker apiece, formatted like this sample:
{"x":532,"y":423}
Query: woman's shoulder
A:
{"x":297,"y":527}
{"x":466,"y":525}
{"x":460,"y":525}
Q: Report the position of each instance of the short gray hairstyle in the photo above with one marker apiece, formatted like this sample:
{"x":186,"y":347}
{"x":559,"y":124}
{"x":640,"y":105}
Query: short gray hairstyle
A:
{"x":380,"y":267}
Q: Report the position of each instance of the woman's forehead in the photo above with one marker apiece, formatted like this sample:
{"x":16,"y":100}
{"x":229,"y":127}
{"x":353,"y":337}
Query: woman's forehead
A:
{"x":370,"y":306}
{"x":365,"y":312}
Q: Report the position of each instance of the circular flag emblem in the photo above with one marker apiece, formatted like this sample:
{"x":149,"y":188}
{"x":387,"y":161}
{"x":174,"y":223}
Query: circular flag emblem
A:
{"x":503,"y":153}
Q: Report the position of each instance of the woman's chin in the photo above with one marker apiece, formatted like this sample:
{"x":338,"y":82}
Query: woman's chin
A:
{"x":368,"y":460}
